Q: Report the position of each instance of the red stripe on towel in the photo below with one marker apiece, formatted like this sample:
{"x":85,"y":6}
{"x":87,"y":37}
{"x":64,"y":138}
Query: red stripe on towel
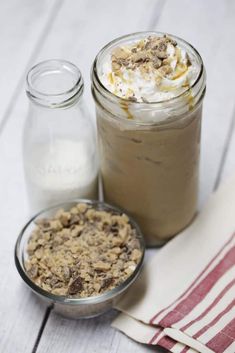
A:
{"x":200,"y":291}
{"x":153,"y":339}
{"x":223,"y":339}
{"x":215,"y":320}
{"x":212,"y":305}
{"x":152,"y":321}
{"x":167,"y":342}
{"x":164,"y":341}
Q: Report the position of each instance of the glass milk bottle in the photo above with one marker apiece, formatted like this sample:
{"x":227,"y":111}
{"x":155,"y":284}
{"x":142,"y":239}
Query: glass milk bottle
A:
{"x":59,"y":143}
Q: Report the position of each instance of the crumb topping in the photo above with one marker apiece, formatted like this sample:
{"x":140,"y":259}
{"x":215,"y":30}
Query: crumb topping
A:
{"x":82,"y":252}
{"x":150,"y":69}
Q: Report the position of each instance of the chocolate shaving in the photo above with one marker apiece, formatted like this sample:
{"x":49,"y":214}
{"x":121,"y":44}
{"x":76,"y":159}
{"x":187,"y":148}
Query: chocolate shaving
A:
{"x":76,"y":286}
{"x":107,"y":282}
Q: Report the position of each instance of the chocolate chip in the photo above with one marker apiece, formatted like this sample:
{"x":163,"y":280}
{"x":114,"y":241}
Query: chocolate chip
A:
{"x":76,"y":286}
{"x":74,"y":220}
{"x":33,"y":272}
{"x":107,"y":282}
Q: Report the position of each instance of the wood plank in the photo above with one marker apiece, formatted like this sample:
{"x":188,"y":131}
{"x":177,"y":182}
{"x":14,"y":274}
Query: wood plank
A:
{"x":71,"y":37}
{"x":87,"y":336}
{"x":23,"y":24}
{"x":23,"y":30}
{"x":209,"y":26}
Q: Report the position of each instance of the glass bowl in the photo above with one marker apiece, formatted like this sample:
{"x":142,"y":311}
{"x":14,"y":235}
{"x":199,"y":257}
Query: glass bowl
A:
{"x":75,"y":307}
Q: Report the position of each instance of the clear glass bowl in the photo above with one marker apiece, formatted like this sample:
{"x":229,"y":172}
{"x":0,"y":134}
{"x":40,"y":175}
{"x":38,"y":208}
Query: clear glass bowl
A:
{"x":66,"y":306}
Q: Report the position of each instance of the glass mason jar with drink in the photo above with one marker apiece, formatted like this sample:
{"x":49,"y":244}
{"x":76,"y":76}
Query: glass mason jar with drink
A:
{"x":148,"y":89}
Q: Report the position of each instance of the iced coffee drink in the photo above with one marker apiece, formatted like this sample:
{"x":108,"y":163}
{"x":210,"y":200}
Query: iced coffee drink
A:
{"x":148,"y":88}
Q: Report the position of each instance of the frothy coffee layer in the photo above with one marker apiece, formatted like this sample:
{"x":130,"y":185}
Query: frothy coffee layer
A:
{"x":151,"y":69}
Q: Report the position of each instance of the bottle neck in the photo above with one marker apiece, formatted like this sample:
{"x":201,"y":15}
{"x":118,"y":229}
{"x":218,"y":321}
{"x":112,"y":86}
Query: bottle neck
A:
{"x":54,"y":84}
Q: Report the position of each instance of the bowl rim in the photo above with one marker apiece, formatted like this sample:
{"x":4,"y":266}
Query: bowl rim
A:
{"x":65,"y":299}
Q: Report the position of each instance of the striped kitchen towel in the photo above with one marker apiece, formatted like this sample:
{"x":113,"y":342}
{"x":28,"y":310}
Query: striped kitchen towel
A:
{"x":184,"y":299}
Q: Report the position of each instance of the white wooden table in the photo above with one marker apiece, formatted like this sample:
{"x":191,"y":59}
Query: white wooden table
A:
{"x":75,"y":30}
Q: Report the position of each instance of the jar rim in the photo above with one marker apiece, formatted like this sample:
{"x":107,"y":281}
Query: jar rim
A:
{"x":63,"y":98}
{"x":105,"y":92}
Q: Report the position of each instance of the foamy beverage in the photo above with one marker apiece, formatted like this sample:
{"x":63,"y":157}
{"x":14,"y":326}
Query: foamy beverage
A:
{"x":148,"y":88}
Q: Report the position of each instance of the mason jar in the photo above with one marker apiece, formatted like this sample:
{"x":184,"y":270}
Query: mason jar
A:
{"x":150,"y":167}
{"x":59,"y":142}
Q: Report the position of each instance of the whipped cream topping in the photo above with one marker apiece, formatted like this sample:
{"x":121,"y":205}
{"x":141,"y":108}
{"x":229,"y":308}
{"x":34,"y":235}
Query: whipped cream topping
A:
{"x":151,"y":69}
